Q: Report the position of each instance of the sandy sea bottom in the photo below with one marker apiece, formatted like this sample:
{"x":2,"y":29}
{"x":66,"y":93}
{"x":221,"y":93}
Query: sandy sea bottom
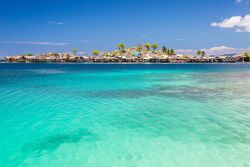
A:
{"x":125,"y":115}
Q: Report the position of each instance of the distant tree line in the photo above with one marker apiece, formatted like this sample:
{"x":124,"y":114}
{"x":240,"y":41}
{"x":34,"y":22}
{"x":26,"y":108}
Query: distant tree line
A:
{"x":246,"y":57}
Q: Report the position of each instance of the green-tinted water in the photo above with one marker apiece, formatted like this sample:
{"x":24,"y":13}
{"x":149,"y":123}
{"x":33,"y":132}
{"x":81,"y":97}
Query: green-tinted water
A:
{"x":124,"y":115}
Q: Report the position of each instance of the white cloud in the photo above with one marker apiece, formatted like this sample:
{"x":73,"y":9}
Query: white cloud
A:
{"x":218,"y":50}
{"x":222,"y":50}
{"x":239,"y":1}
{"x":36,"y":43}
{"x":228,"y":23}
{"x":239,"y":23}
{"x":242,"y":2}
{"x":55,"y":22}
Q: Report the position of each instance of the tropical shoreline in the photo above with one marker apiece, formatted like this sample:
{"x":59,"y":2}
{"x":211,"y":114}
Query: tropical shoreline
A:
{"x":121,"y":63}
{"x":140,"y":54}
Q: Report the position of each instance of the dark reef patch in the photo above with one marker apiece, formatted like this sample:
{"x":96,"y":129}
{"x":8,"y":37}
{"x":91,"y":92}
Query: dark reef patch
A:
{"x":51,"y":143}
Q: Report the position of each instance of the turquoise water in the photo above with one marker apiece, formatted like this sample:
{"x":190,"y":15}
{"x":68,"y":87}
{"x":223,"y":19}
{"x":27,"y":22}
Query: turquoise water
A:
{"x":93,"y":115}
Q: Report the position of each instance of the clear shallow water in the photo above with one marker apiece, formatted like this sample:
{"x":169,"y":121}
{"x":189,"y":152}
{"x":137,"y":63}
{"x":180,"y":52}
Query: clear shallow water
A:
{"x":125,"y":115}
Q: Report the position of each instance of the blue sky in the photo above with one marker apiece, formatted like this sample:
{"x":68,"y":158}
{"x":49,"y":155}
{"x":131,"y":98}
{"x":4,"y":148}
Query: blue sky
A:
{"x":36,"y":26}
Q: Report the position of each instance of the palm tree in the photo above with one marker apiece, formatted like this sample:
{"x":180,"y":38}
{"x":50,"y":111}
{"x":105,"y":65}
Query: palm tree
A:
{"x":154,"y":46}
{"x":198,"y":52}
{"x":164,"y":49}
{"x":203,"y":53}
{"x":139,"y":48}
{"x":246,"y":57}
{"x":171,"y":52}
{"x":74,"y":51}
{"x":168,"y":52}
{"x":147,"y":46}
{"x":121,"y":47}
{"x":95,"y":52}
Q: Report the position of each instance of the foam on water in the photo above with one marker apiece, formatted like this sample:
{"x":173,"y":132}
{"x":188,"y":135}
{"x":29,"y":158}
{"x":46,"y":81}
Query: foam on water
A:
{"x":124,"y":115}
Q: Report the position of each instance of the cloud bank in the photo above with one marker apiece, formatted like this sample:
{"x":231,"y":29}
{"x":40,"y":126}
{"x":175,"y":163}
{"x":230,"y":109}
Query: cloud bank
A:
{"x":239,"y":23}
{"x":218,"y":50}
{"x":239,"y":1}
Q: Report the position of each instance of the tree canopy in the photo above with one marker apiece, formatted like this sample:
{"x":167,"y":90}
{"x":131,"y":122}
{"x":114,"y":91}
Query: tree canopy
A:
{"x":28,"y":54}
{"x":164,"y":49}
{"x":246,"y":57}
{"x":95,"y":52}
{"x":74,"y":51}
{"x":147,"y":46}
{"x":203,"y":53}
{"x":171,"y":52}
{"x":139,"y":48}
{"x":154,"y":46}
{"x":121,"y":46}
{"x":198,"y":52}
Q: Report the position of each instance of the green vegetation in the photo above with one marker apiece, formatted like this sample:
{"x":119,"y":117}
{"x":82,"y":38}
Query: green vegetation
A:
{"x":105,"y":54}
{"x":246,"y":57}
{"x":147,"y":46}
{"x":96,"y":52}
{"x":171,"y":52}
{"x":28,"y":54}
{"x":121,"y":47}
{"x":148,"y":53}
{"x":139,"y":48}
{"x":198,"y":52}
{"x":164,"y":49}
{"x":201,"y":53}
{"x":154,"y":46}
{"x":74,"y":51}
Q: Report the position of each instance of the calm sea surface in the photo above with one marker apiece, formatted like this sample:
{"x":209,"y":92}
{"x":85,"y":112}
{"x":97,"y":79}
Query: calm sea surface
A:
{"x":117,"y":115}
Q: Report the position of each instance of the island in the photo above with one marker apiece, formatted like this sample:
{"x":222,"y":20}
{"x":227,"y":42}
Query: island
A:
{"x":147,"y":53}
